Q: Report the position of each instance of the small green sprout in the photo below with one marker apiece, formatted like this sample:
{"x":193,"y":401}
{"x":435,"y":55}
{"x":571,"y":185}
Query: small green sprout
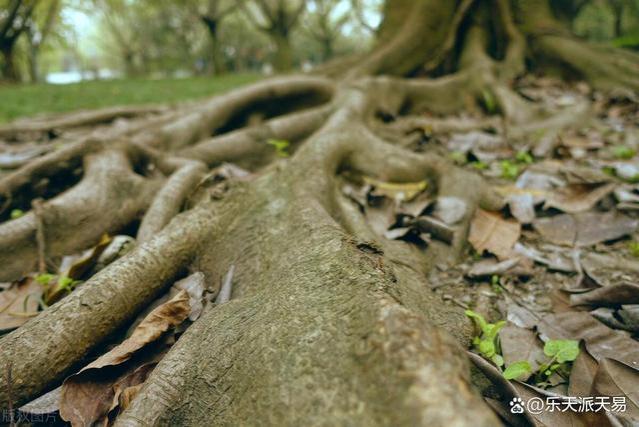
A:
{"x":561,"y":352}
{"x":623,"y":152}
{"x":479,"y":165}
{"x":524,"y":157}
{"x":44,"y":278}
{"x":517,"y":370}
{"x":487,"y":343}
{"x":509,"y":170}
{"x":16,"y":213}
{"x":633,"y":247}
{"x":281,"y":146}
{"x":495,"y":284}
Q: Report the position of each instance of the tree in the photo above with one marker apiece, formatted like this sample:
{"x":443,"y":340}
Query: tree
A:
{"x":125,"y":24}
{"x":277,"y":18}
{"x":330,"y":323}
{"x":39,"y":27}
{"x":211,"y":16}
{"x":325,"y":25}
{"x":14,"y":18}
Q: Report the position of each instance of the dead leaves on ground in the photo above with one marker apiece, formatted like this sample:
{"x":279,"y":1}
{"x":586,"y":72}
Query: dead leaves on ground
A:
{"x":490,"y":232}
{"x":561,"y":261}
{"x":19,"y":303}
{"x":104,"y":385}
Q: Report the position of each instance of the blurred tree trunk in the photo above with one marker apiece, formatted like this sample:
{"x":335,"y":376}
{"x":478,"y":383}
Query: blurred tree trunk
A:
{"x":13,"y":22}
{"x":37,"y":36}
{"x":279,"y":19}
{"x":212,"y":25}
{"x":617,"y":13}
{"x":283,"y":52}
{"x":9,"y":70}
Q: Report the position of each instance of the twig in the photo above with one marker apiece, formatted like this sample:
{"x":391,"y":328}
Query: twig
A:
{"x":38,"y":211}
{"x":12,"y":421}
{"x":225,"y":290}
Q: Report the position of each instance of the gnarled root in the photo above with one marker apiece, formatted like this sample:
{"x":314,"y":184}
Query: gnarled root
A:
{"x":109,"y":196}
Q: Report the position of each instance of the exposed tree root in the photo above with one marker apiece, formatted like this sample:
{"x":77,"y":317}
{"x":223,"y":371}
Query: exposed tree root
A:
{"x":330,"y":323}
{"x":78,"y":119}
{"x":109,"y":196}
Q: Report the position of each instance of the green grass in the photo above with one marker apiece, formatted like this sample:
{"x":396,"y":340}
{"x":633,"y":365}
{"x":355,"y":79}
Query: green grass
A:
{"x":28,"y":100}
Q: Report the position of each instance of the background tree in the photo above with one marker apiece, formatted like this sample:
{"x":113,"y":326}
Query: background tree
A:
{"x":277,"y":19}
{"x":325,"y":22}
{"x":211,"y":13}
{"x":14,"y":19}
{"x":40,"y":25}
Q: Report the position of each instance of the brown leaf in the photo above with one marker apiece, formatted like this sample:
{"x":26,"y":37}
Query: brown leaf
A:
{"x":601,"y":341}
{"x":489,"y":267}
{"x":88,"y":395}
{"x":582,"y":373}
{"x":489,"y":231}
{"x":585,"y":229}
{"x":194,"y":285}
{"x":510,"y":389}
{"x":519,"y":344}
{"x":85,"y":263}
{"x":613,"y":295}
{"x":125,"y":389}
{"x":19,"y":303}
{"x":575,"y":198}
{"x":160,"y":320}
{"x":617,"y":379}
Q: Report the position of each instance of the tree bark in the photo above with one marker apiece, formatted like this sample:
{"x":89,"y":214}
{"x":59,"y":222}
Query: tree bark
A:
{"x":9,"y":70}
{"x":330,"y":322}
{"x":283,"y":60}
{"x":219,"y":65}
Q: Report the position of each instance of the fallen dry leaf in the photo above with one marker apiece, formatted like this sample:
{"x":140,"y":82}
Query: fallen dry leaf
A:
{"x":582,"y":373}
{"x":617,"y":379}
{"x":601,"y":341}
{"x":194,"y":285}
{"x":519,"y":344}
{"x":85,"y":263}
{"x":511,"y":389}
{"x":403,"y":191}
{"x":490,"y":267}
{"x":575,"y":198}
{"x":88,"y":395}
{"x":489,"y":231}
{"x":585,"y":229}
{"x":613,"y":295}
{"x":19,"y":303}
{"x":126,"y":388}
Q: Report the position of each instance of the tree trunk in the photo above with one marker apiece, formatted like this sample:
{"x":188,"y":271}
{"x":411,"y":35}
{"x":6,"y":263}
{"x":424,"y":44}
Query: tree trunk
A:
{"x":9,"y":70}
{"x":219,"y":65}
{"x":330,"y":322}
{"x":34,"y":73}
{"x":283,"y":60}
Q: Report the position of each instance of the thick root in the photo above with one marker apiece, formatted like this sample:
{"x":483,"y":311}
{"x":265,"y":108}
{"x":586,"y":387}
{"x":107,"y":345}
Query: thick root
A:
{"x":45,"y":350}
{"x":109,"y":197}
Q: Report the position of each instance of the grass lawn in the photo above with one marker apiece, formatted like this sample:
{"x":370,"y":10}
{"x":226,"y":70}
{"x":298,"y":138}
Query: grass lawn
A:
{"x":28,"y":100}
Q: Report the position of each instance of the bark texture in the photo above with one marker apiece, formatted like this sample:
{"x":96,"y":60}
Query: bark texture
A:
{"x":330,"y":323}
